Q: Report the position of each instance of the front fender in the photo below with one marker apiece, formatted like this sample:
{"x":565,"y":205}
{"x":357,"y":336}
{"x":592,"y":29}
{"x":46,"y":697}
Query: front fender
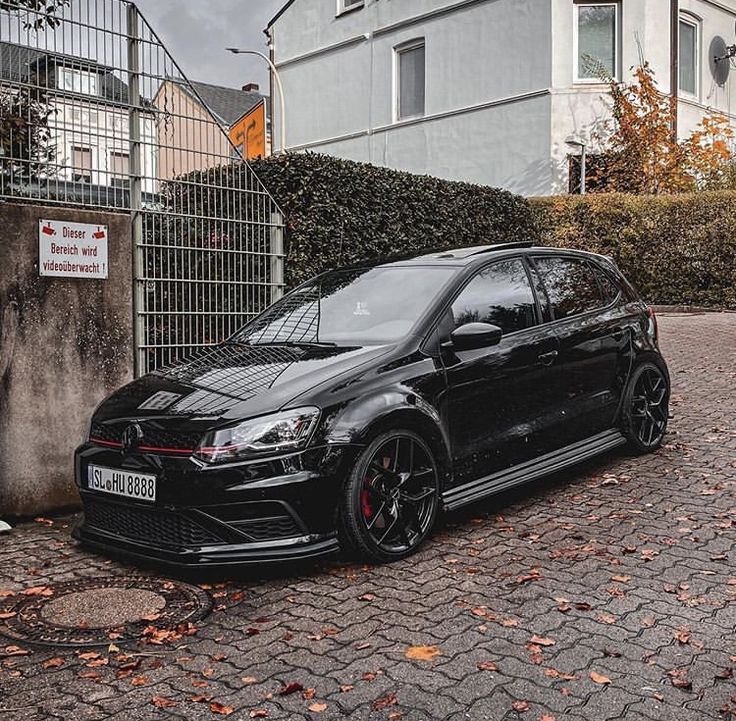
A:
{"x":398,"y":407}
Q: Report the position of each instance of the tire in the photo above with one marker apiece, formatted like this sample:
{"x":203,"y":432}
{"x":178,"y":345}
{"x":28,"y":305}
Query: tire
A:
{"x":390,"y":500}
{"x":645,"y":409}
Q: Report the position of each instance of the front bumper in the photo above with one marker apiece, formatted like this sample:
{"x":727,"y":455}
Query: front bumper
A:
{"x":272,"y":510}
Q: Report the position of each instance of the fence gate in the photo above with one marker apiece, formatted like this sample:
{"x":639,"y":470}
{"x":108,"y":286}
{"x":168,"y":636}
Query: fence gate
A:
{"x":95,"y":113}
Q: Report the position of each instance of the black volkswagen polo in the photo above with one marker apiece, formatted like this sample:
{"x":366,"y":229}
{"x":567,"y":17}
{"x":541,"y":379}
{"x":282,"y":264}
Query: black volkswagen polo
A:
{"x":364,"y":402}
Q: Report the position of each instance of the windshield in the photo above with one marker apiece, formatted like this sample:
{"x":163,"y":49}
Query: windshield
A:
{"x":350,"y":307}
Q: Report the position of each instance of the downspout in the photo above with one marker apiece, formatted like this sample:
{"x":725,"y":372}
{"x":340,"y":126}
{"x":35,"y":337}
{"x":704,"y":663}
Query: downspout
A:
{"x":674,"y":61}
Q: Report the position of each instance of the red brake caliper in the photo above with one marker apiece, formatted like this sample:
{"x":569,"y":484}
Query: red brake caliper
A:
{"x":365,"y":500}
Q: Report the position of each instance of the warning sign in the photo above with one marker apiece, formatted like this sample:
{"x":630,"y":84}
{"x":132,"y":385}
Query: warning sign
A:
{"x":72,"y":250}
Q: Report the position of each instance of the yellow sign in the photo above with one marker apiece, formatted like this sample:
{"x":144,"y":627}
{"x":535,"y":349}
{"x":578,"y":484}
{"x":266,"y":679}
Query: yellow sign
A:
{"x":249,"y":133}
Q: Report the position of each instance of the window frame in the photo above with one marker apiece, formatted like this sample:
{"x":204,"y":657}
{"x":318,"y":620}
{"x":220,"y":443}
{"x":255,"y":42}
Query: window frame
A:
{"x":592,"y":266}
{"x":616,"y":4}
{"x":343,"y":7}
{"x":77,"y":176}
{"x":693,"y":21}
{"x":409,"y":45}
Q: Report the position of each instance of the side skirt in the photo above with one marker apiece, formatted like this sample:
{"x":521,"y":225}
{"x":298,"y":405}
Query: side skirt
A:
{"x":531,"y":470}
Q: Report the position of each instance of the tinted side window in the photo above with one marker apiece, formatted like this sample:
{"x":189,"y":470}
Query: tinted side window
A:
{"x":500,"y":294}
{"x":608,"y":286}
{"x":571,"y":286}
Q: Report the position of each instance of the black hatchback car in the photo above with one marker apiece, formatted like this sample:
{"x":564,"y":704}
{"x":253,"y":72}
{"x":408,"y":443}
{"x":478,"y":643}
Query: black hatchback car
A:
{"x":365,"y":401}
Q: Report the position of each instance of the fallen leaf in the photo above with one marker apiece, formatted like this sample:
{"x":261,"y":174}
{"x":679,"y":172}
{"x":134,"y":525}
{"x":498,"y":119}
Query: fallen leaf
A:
{"x":15,"y":651}
{"x":8,"y":614}
{"x":138,"y":681}
{"x":725,"y":673}
{"x":621,"y":579}
{"x":162,"y":702}
{"x":367,"y":597}
{"x":541,"y":641}
{"x":221,"y":709}
{"x":45,"y":521}
{"x":208,"y":672}
{"x":248,"y":679}
{"x":510,"y":622}
{"x":38,"y":591}
{"x":599,"y":678}
{"x":291,"y":687}
{"x":112,"y":648}
{"x":201,"y":698}
{"x":5,"y":593}
{"x":487,"y":666}
{"x":258,"y":713}
{"x":422,"y":653}
{"x":520,"y":706}
{"x":218,"y":657}
{"x":547,"y":717}
{"x":682,"y":635}
{"x":90,"y":675}
{"x":345,"y":687}
{"x":318,"y":707}
{"x":608,"y":618}
{"x":308,"y":694}
{"x":611,"y":652}
{"x":384,"y":702}
{"x":53,"y":662}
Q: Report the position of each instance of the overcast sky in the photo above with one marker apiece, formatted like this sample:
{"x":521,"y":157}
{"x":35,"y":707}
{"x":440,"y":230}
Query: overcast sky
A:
{"x":196,"y":32}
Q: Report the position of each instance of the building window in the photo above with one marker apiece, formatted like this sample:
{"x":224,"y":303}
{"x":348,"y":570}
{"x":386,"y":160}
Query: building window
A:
{"x":596,"y":35}
{"x":77,"y":81}
{"x":344,"y":6}
{"x":689,"y":56}
{"x":410,"y":75}
{"x":120,"y":170}
{"x":82,"y":164}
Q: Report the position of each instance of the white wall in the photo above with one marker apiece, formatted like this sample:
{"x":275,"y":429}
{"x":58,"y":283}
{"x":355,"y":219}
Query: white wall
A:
{"x":340,"y":101}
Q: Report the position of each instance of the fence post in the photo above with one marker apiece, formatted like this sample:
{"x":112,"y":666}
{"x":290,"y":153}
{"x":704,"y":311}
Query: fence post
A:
{"x":277,"y":256}
{"x":135,"y":175}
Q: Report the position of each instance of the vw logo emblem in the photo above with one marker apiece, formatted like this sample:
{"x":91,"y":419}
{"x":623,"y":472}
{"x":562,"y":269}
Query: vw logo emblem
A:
{"x":132,"y":436}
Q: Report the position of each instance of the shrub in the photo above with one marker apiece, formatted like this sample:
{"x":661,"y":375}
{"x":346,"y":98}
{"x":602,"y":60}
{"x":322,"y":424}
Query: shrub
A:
{"x":676,"y":249}
{"x":340,"y":212}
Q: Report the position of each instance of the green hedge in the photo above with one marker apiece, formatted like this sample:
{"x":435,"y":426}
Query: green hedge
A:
{"x":678,"y":249}
{"x":379,"y":213}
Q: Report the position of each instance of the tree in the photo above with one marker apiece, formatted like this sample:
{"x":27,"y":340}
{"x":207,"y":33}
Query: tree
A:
{"x":641,"y":153}
{"x":39,"y":13}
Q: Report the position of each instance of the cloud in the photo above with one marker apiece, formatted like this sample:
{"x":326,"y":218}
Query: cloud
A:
{"x":196,"y":33}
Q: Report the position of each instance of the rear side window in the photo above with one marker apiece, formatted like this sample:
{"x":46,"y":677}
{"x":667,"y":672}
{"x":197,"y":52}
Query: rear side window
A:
{"x":499,"y":294}
{"x":571,"y":286}
{"x":608,"y":286}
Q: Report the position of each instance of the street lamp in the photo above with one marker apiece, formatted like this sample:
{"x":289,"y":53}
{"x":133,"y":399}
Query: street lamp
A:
{"x":578,"y":143}
{"x":277,"y":77}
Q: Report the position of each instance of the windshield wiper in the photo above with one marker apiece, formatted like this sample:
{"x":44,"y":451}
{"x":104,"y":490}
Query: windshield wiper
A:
{"x":299,"y":343}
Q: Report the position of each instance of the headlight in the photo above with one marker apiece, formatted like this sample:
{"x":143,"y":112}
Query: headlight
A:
{"x":275,"y":433}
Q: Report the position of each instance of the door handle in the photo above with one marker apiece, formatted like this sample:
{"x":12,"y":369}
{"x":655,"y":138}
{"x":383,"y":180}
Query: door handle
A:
{"x":547,"y":359}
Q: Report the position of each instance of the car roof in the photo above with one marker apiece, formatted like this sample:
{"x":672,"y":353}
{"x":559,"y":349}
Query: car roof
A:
{"x":478,"y":254}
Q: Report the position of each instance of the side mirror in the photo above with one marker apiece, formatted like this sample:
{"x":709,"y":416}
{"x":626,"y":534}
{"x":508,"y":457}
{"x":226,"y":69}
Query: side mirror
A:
{"x":474,"y":335}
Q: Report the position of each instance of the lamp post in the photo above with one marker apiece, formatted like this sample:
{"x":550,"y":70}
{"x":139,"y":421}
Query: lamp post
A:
{"x":578,"y":143}
{"x":277,"y":78}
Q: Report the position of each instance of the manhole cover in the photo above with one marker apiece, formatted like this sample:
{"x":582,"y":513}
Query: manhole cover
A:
{"x":96,"y":611}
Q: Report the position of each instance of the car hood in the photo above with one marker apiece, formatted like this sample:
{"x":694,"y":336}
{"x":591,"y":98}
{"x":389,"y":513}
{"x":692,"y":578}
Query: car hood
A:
{"x":233,"y":381}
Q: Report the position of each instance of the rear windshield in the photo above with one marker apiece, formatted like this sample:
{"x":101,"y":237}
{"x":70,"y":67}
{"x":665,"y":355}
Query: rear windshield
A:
{"x":351,"y":307}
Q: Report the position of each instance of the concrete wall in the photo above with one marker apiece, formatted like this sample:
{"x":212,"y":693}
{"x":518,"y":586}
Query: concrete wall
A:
{"x":64,"y":345}
{"x":487,"y":74}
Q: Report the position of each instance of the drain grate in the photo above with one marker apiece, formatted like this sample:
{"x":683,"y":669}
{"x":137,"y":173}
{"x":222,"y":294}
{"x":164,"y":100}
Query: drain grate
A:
{"x":98,"y":611}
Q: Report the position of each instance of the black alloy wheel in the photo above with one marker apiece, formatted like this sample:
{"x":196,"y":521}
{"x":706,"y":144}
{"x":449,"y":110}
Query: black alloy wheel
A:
{"x":646,"y":409}
{"x":391,"y":499}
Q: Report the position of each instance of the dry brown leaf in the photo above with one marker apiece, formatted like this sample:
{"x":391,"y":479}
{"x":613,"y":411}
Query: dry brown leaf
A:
{"x":422,"y":653}
{"x":682,"y":635}
{"x":248,"y":679}
{"x":621,"y":579}
{"x":53,"y":662}
{"x":510,"y":622}
{"x":541,"y":641}
{"x":15,"y":651}
{"x":38,"y":591}
{"x":308,"y":693}
{"x":221,"y":709}
{"x":599,"y":678}
{"x":163,"y":702}
{"x":291,"y":687}
{"x":384,"y":702}
{"x":487,"y":666}
{"x":318,"y":707}
{"x":345,"y":687}
{"x":547,"y":717}
{"x":258,"y":713}
{"x":8,"y":614}
{"x":139,"y":681}
{"x":520,"y":706}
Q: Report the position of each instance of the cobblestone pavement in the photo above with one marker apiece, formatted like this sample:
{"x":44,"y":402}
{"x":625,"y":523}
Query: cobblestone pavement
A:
{"x":608,"y":592}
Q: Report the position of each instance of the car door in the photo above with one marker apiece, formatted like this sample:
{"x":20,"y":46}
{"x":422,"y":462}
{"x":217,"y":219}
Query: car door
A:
{"x":499,"y":402}
{"x":595,"y":345}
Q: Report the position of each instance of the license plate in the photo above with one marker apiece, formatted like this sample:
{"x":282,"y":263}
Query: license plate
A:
{"x":122,"y":483}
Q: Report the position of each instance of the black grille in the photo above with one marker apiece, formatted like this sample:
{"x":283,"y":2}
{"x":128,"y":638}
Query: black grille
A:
{"x":153,"y":436}
{"x":267,"y":529}
{"x":150,"y":525}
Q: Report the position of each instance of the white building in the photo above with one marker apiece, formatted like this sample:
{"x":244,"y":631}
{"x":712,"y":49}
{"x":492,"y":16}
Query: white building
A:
{"x":485,"y":91}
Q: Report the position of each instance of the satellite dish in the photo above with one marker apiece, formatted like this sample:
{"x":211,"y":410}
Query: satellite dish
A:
{"x":718,"y":60}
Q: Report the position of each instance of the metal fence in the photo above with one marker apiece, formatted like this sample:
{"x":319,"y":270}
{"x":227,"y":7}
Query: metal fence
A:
{"x":95,"y":113}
